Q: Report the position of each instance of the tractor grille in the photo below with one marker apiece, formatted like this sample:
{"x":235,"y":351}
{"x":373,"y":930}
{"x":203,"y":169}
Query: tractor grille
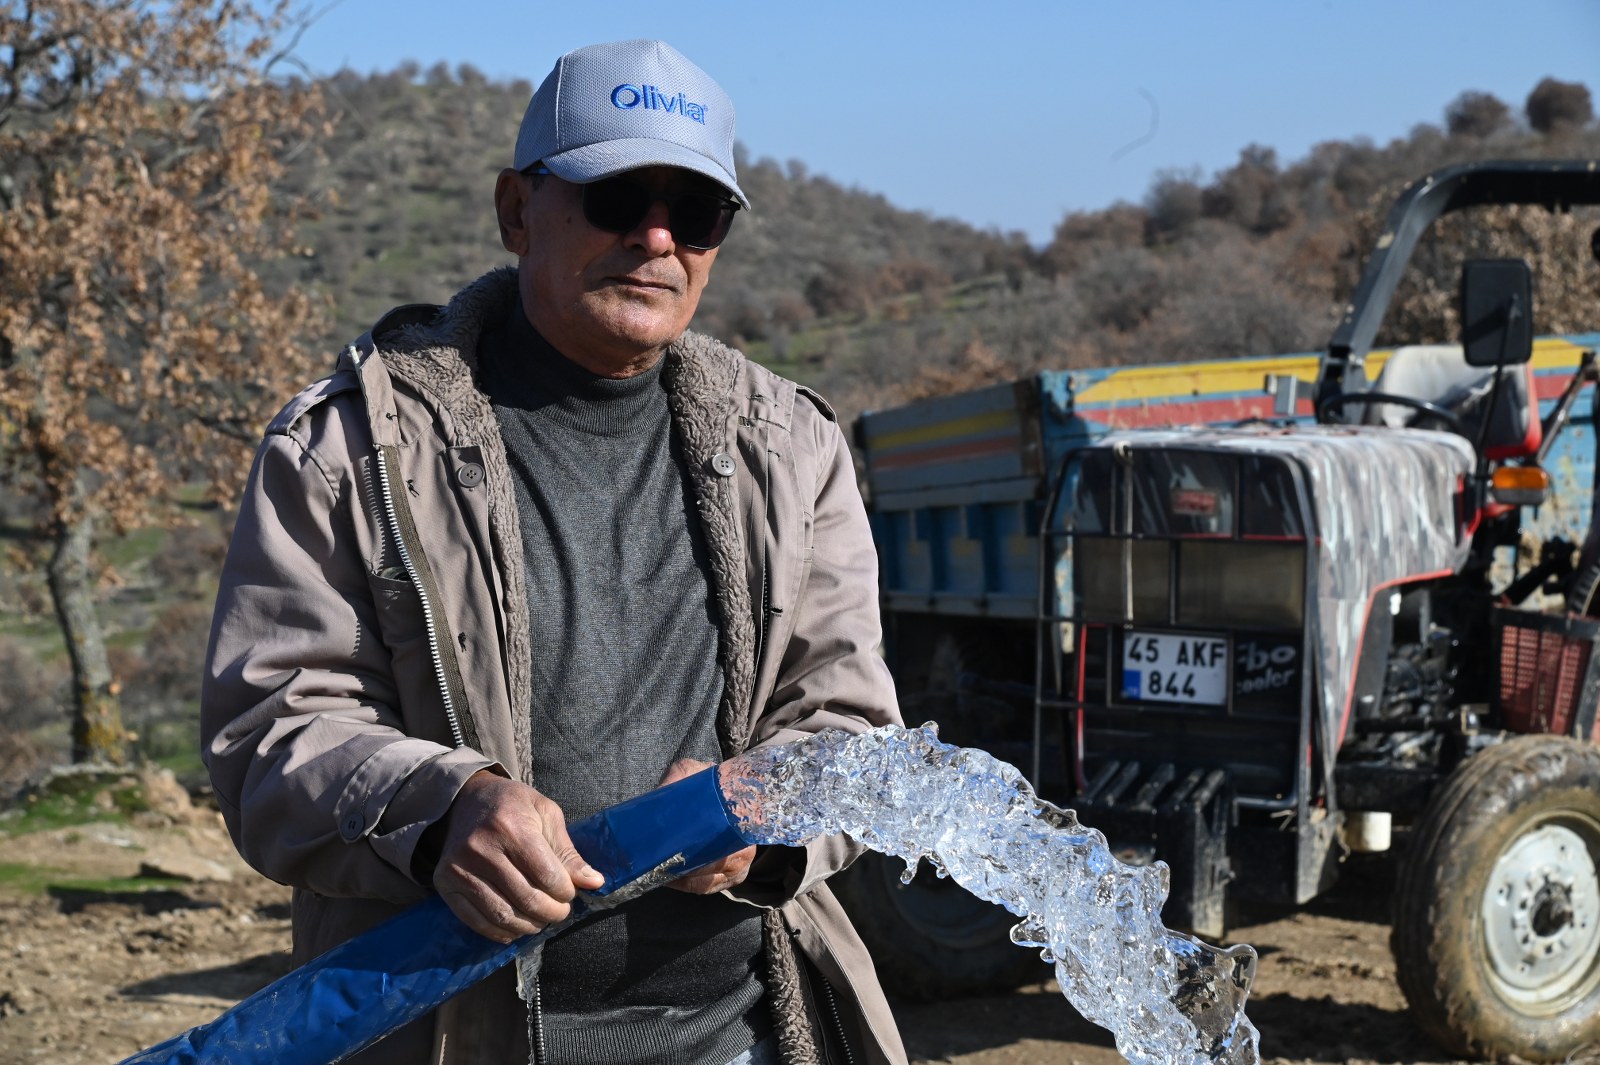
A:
{"x":1549,"y":673}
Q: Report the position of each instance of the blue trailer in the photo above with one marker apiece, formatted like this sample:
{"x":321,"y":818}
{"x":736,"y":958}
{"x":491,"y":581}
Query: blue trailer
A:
{"x":1247,"y":615}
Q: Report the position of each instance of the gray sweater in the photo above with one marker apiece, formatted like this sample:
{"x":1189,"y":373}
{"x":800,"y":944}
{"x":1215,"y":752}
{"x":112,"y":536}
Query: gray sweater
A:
{"x":625,"y":681}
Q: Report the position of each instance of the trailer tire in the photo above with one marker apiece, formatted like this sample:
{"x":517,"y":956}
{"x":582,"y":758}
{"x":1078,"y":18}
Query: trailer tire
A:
{"x":931,"y":940}
{"x":1496,"y":922}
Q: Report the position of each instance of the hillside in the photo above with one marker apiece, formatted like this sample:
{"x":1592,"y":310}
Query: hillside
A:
{"x":407,"y":216}
{"x":836,"y":286}
{"x":875,"y":304}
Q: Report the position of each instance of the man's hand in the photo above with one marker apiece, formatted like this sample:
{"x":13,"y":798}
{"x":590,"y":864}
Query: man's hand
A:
{"x":507,"y":867}
{"x":718,"y":876}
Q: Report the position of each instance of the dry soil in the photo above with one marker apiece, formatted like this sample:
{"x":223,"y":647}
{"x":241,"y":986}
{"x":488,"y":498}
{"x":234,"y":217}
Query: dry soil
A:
{"x":91,"y":977}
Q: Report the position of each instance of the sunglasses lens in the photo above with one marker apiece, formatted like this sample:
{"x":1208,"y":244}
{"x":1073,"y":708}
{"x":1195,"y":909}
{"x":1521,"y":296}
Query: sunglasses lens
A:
{"x":698,"y":220}
{"x":615,"y":205}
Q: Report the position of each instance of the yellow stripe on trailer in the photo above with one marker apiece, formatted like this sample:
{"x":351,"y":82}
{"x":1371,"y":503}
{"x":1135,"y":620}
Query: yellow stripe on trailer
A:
{"x":972,"y":425}
{"x":1549,"y":352}
{"x":1248,"y":374}
{"x":1187,"y":380}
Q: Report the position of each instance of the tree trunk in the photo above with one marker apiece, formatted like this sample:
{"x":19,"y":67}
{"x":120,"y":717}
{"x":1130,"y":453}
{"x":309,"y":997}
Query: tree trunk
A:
{"x":97,"y":734}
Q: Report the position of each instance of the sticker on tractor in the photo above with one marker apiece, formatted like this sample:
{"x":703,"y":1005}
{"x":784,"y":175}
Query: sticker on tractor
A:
{"x":1194,"y":502}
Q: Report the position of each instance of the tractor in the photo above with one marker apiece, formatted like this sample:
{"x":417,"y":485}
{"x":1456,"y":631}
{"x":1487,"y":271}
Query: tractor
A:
{"x":1251,"y":616}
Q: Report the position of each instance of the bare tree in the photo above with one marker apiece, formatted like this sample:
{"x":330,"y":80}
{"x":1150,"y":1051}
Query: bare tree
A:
{"x":1173,"y":203}
{"x":145,"y":145}
{"x":1553,"y":104}
{"x":1476,"y":114}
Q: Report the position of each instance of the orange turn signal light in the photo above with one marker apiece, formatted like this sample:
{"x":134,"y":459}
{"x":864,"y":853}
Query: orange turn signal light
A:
{"x":1519,"y":486}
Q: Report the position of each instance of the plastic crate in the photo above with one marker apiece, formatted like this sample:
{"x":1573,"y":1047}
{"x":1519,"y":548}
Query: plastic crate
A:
{"x":1549,"y":672}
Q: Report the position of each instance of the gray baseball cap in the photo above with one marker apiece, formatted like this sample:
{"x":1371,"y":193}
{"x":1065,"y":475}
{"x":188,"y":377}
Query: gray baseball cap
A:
{"x":614,"y":107}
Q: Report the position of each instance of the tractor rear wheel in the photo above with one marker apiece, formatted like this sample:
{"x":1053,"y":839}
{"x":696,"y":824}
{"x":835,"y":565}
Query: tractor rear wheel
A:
{"x":1496,"y":924}
{"x":931,"y":939}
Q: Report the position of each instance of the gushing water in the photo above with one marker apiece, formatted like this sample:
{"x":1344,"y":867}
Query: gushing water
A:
{"x":1167,"y":997}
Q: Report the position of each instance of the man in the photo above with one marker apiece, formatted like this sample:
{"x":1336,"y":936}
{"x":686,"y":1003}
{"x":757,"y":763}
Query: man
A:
{"x":532,"y":553}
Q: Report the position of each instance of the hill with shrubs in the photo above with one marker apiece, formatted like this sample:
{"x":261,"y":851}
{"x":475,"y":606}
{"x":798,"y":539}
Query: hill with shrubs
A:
{"x":870,"y":303}
{"x":875,"y":304}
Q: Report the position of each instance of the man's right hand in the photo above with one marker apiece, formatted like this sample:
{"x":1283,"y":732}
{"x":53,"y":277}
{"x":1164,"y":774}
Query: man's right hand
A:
{"x":507,"y":867}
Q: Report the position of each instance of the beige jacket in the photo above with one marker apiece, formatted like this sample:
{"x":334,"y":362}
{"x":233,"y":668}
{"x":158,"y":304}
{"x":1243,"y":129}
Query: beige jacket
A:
{"x":370,"y":648}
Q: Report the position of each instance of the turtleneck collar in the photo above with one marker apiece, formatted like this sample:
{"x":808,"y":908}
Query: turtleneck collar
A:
{"x":519,"y":368}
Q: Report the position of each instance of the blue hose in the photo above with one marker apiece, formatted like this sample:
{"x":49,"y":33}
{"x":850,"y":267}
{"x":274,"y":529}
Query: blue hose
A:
{"x":365,"y":988}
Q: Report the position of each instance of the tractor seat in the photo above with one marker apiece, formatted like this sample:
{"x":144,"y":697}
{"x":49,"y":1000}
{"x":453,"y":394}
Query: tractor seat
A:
{"x":1439,"y":374}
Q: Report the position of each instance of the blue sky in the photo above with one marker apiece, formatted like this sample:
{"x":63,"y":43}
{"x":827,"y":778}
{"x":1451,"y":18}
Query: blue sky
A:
{"x":1009,"y":115}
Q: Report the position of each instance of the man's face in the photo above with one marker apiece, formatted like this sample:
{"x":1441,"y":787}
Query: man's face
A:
{"x":608,"y":301}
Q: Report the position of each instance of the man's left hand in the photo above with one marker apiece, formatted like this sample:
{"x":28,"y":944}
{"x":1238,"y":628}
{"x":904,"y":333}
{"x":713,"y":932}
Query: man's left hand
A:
{"x":718,"y":876}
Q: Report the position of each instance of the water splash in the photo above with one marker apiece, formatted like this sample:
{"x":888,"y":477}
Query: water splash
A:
{"x":1169,"y":998}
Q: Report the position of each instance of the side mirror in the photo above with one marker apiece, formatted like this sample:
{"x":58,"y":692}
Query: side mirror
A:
{"x":1496,"y":312}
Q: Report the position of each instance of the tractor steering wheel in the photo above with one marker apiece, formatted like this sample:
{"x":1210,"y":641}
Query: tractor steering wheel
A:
{"x":1423,"y":408}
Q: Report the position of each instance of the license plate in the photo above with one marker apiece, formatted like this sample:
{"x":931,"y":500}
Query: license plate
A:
{"x":1170,"y":667}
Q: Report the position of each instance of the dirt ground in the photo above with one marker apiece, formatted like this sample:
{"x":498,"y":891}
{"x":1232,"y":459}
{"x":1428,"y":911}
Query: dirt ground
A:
{"x":89,"y":977}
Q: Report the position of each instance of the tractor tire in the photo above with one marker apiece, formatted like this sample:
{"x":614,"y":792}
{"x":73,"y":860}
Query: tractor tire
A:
{"x":1496,"y":922}
{"x":931,"y":940}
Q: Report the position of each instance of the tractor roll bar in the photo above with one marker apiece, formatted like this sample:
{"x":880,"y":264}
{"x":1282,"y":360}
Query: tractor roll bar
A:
{"x":1554,"y":184}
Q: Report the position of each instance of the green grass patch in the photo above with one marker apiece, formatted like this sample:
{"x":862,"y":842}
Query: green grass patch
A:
{"x":70,"y":801}
{"x":128,"y":639}
{"x":17,"y":878}
{"x":135,"y":546}
{"x":194,"y":495}
{"x":175,"y":745}
{"x":26,"y":628}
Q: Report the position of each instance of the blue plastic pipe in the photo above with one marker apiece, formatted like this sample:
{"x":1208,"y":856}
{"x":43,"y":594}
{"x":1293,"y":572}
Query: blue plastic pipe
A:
{"x":365,"y":988}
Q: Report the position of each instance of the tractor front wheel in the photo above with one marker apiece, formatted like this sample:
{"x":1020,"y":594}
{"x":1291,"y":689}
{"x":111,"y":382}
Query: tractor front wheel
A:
{"x":1496,"y":930}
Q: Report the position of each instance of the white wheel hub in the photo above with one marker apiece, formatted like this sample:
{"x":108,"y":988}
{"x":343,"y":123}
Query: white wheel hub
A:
{"x":1541,"y":915}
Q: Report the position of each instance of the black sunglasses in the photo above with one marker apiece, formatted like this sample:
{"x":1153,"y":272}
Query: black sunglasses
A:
{"x":698,"y":220}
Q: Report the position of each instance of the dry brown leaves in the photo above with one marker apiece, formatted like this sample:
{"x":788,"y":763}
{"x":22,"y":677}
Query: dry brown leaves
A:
{"x":146,"y":147}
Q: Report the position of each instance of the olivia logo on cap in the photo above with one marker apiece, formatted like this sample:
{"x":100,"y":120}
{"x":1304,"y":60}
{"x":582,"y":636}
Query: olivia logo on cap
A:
{"x":627,"y":97}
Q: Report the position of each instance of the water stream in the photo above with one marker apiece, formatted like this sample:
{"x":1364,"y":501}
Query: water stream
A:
{"x":1169,"y":998}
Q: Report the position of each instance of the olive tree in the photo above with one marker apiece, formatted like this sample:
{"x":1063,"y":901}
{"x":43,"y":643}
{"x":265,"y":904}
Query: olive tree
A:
{"x":145,"y":156}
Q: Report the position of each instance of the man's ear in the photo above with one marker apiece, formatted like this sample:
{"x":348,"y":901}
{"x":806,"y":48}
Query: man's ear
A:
{"x":510,"y":197}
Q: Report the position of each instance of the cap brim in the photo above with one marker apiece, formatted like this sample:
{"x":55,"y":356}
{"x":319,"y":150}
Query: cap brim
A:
{"x":595,"y":162}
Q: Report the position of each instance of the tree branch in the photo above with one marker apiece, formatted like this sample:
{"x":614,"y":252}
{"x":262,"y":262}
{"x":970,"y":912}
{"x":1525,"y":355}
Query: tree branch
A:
{"x":300,"y":28}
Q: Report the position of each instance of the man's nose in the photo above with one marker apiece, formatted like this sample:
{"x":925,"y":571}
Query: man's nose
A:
{"x":653,"y":234}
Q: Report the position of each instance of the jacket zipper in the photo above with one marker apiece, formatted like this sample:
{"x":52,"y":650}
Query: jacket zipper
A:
{"x":764,"y":608}
{"x":831,"y":998}
{"x":761,"y":615}
{"x":826,"y":1001}
{"x":536,"y":1025}
{"x":392,"y":520}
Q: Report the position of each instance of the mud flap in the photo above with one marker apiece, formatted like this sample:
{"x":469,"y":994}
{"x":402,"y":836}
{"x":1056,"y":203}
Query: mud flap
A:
{"x":1192,"y":829}
{"x":1181,"y":820}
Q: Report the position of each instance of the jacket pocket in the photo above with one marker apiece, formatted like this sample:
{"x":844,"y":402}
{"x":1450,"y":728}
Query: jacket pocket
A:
{"x":403,"y":630}
{"x":399,"y":609}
